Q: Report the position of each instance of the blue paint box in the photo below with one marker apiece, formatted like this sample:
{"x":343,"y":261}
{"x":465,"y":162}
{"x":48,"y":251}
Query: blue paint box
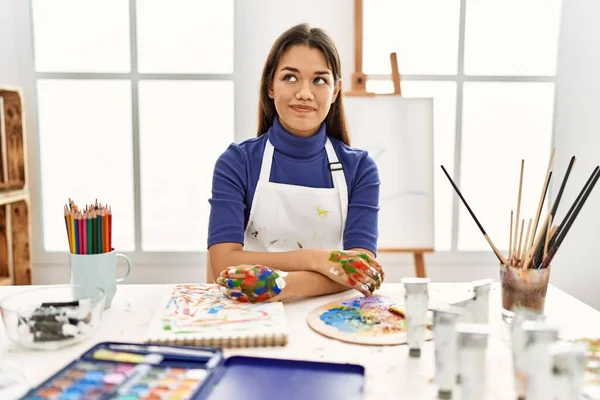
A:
{"x":129,"y":371}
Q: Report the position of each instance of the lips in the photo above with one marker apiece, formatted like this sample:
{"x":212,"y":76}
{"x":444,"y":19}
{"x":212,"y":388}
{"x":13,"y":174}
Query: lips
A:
{"x":303,"y":109}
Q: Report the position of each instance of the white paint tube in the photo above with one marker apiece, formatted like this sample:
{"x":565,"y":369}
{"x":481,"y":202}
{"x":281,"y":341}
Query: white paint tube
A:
{"x":521,"y":315}
{"x":445,"y":318}
{"x":472,"y":346}
{"x":537,"y":360}
{"x":568,"y":368}
{"x":481,"y":301}
{"x":417,"y":300}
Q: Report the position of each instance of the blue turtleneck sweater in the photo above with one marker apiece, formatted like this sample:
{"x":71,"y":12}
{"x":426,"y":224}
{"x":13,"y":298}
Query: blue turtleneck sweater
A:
{"x":298,"y":161}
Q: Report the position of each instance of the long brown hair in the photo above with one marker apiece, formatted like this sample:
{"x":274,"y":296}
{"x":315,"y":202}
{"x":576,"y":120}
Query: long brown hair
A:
{"x":315,"y":38}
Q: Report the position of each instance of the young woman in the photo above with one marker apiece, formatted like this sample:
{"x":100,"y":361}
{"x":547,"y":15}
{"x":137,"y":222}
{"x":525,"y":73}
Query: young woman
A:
{"x":294,"y":211}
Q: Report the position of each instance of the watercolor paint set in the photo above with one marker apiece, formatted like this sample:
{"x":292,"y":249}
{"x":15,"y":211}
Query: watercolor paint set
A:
{"x":131,"y":371}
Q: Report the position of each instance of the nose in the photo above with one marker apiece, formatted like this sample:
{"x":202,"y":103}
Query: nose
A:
{"x":305,"y":93}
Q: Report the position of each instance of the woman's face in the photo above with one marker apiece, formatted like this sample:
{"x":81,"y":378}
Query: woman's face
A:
{"x":303,"y":90}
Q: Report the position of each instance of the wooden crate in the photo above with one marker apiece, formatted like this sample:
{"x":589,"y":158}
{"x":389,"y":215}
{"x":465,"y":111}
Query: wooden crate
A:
{"x":12,"y":141}
{"x":15,"y":225}
{"x":15,"y":251}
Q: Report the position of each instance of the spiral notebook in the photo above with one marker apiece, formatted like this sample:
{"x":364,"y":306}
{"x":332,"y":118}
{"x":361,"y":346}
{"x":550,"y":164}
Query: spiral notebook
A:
{"x":200,"y":315}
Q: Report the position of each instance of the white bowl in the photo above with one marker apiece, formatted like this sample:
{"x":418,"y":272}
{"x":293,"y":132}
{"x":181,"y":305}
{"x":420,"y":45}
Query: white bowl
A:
{"x":52,"y":317}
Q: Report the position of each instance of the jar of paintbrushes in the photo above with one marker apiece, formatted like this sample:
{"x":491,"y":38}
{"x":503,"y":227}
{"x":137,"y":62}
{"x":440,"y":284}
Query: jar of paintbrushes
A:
{"x":525,"y":272}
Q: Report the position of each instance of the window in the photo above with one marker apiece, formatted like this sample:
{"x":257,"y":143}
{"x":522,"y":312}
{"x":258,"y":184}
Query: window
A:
{"x":133,"y":112}
{"x":490,"y":67}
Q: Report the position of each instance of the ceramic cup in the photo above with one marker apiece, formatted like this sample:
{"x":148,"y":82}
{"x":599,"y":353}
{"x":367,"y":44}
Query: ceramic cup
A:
{"x":98,"y":270}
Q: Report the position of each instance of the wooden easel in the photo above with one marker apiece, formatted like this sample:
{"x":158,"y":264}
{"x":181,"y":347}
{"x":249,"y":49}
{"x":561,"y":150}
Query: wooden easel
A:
{"x":359,"y":88}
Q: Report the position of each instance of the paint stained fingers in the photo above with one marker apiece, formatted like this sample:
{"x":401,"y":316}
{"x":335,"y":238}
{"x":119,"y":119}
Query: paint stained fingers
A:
{"x":235,"y":272}
{"x":229,"y":283}
{"x":375,"y":264}
{"x":372,"y":273}
{"x":368,"y":281}
{"x":363,"y":288}
{"x":235,"y":294}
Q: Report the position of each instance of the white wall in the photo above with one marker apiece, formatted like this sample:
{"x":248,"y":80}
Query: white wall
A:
{"x":576,"y":267}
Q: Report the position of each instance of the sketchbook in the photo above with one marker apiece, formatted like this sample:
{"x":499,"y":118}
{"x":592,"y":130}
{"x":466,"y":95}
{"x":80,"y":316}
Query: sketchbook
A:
{"x":200,"y":315}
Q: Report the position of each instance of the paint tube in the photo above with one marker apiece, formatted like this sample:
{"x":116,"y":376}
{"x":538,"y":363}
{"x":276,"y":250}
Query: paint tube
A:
{"x":417,"y":299}
{"x":539,"y":337}
{"x":568,"y":368}
{"x":472,"y":345}
{"x":481,"y":302}
{"x":521,"y":314}
{"x":445,"y":318}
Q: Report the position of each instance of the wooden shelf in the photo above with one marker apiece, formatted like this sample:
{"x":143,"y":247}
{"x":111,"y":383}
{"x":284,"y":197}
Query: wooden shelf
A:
{"x":15,"y":220}
{"x":13,"y":196}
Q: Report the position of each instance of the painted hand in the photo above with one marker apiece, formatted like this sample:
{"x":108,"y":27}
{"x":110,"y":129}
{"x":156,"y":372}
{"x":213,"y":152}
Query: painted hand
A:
{"x":251,"y":283}
{"x":357,"y":270}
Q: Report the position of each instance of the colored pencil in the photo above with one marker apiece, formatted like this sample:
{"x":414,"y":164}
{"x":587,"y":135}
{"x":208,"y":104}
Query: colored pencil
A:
{"x":88,"y":222}
{"x":72,"y":223}
{"x":105,"y":230}
{"x":110,"y":248}
{"x":84,"y":231}
{"x":94,"y":230}
{"x":76,"y":228}
{"x":99,"y":232}
{"x":89,"y":229}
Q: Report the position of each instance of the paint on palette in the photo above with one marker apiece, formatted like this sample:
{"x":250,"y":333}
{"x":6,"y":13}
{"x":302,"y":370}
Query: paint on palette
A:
{"x":198,"y":308}
{"x":365,"y":315}
{"x":89,"y":380}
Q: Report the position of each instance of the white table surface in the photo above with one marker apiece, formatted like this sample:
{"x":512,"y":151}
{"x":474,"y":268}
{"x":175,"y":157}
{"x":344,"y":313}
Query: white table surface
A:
{"x":390,"y":373}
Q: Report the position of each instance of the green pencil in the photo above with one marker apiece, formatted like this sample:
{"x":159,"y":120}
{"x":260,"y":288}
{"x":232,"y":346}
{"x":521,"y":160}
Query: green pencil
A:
{"x":88,"y":224}
{"x":94,"y":230}
{"x":99,"y":233}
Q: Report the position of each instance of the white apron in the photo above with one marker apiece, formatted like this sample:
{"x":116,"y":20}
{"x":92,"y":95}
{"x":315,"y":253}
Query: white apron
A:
{"x":289,"y":217}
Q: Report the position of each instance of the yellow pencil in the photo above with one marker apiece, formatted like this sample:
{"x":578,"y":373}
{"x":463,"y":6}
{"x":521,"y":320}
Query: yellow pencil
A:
{"x":72,"y":223}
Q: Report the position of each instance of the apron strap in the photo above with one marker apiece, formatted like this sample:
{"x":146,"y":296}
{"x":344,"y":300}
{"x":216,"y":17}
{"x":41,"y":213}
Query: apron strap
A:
{"x":267,"y":161}
{"x":339,"y":181}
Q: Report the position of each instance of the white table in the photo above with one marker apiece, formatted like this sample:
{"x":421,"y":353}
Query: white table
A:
{"x":390,"y":373}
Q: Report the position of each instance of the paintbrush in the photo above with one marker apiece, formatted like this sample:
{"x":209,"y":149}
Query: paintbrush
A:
{"x":567,"y":223}
{"x":496,"y":251}
{"x":538,"y":251}
{"x":536,"y":259}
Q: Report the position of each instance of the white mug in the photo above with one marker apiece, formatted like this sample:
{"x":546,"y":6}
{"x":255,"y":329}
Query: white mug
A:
{"x":98,"y":270}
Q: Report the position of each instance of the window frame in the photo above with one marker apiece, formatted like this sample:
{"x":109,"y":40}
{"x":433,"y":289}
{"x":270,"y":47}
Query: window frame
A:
{"x":460,"y":78}
{"x":146,"y":259}
{"x":137,"y":256}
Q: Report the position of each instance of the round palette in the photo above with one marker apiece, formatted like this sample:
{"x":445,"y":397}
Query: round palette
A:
{"x":373,"y":320}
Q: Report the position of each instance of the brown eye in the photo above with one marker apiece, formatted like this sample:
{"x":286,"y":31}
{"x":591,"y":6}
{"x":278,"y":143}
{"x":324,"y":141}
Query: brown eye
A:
{"x":290,"y":78}
{"x":321,"y":81}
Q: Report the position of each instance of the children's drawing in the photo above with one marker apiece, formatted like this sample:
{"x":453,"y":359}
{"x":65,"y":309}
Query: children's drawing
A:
{"x":197,"y":308}
{"x":376,"y":320}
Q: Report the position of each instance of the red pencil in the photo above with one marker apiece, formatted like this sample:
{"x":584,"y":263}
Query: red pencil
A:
{"x":110,"y":229}
{"x":84,"y":232}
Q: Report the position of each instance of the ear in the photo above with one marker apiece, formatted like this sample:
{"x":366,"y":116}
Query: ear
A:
{"x":336,"y":91}
{"x":270,"y":93}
